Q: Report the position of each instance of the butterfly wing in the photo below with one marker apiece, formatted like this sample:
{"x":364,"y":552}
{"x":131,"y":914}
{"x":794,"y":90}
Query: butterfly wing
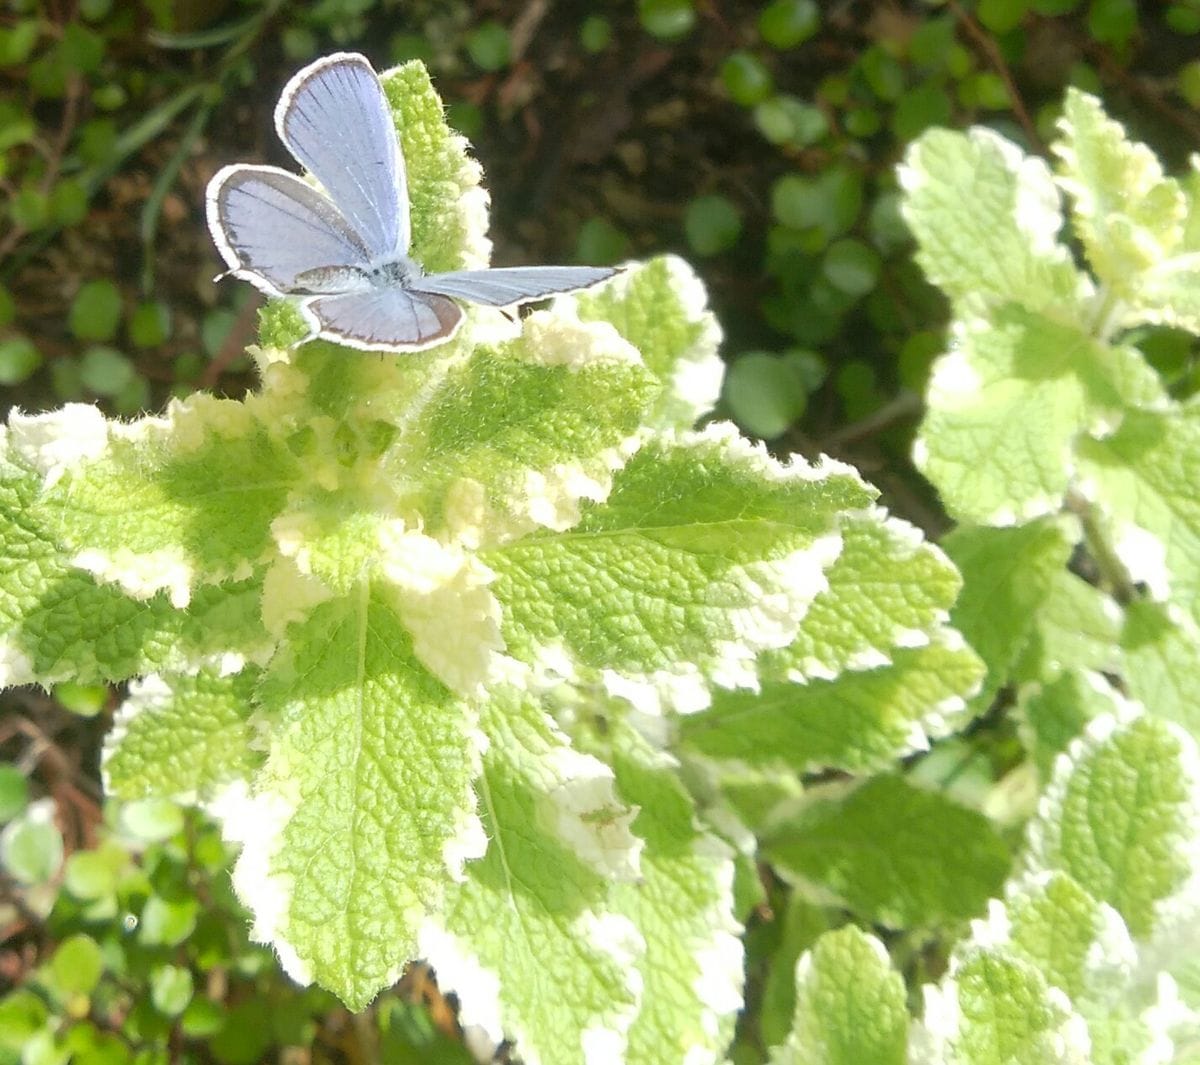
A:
{"x":517,"y":284}
{"x":384,"y":319}
{"x":334,"y":118}
{"x":271,"y":226}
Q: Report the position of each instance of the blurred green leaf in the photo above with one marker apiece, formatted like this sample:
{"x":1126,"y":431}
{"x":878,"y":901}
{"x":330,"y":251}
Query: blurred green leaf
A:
{"x":150,"y":324}
{"x":465,"y":117}
{"x":785,"y":119}
{"x":600,"y":243}
{"x":171,"y":989}
{"x":151,"y":820}
{"x":787,"y":23}
{"x":851,"y":266}
{"x":22,"y":1015}
{"x":1187,"y":81}
{"x":17,"y":41}
{"x":110,"y":97}
{"x":95,"y":311}
{"x":489,"y":46}
{"x":76,"y":966}
{"x":86,"y":700}
{"x":764,"y":393}
{"x":66,"y":379}
{"x":214,"y":328}
{"x":712,"y":224}
{"x":19,"y":360}
{"x":931,"y":42}
{"x":202,"y":1018}
{"x":921,"y":107}
{"x":246,"y":1035}
{"x":92,"y":874}
{"x":82,"y":49}
{"x":595,"y":34}
{"x":746,"y":78}
{"x":16,"y":125}
{"x":8,"y":307}
{"x":167,"y":923}
{"x":30,"y":208}
{"x":68,"y":202}
{"x":14,"y":791}
{"x":31,"y":847}
{"x":1001,"y":16}
{"x":1112,"y":21}
{"x":95,"y":10}
{"x":134,"y":398}
{"x":106,"y":371}
{"x":882,"y":73}
{"x":667,"y":19}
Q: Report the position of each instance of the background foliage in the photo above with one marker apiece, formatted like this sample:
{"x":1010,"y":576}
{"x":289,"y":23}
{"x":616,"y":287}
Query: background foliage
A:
{"x":760,"y":140}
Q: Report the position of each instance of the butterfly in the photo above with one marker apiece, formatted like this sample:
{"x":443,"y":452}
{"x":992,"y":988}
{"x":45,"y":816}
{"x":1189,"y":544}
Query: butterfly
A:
{"x":344,"y":251}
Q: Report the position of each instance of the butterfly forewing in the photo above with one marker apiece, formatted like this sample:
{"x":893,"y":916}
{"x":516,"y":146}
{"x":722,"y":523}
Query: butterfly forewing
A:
{"x":271,"y":227}
{"x":384,"y":319}
{"x":509,"y":285}
{"x":334,"y":118}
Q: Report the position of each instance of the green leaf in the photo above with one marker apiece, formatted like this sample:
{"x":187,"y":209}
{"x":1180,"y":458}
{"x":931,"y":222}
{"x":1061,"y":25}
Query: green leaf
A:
{"x":1161,"y":657}
{"x":859,"y":722}
{"x":683,"y":906}
{"x":993,"y":1008}
{"x":95,"y":311}
{"x":346,"y":850}
{"x":1120,"y":817}
{"x":694,"y":542}
{"x":1076,"y":626}
{"x":1144,"y":479}
{"x":182,"y":736}
{"x":660,"y":308}
{"x":59,"y":624}
{"x":986,"y":220}
{"x":530,"y":918}
{"x":1127,"y":213}
{"x":894,"y":854}
{"x":1057,"y":712}
{"x":850,"y":1005}
{"x":1007,"y":575}
{"x":1007,"y":406}
{"x":166,"y":503}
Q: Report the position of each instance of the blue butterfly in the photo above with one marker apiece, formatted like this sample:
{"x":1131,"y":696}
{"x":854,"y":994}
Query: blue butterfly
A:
{"x":344,"y":252}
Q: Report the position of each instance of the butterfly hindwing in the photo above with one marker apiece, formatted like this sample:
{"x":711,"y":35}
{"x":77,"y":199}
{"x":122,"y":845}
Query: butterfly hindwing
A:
{"x":334,"y":118}
{"x":384,"y":319}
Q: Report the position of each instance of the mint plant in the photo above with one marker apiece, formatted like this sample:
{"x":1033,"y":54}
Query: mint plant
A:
{"x":1064,"y":455}
{"x":484,"y":654}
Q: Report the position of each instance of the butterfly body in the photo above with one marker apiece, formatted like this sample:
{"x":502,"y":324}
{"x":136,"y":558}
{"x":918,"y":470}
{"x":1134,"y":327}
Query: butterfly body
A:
{"x":331,"y":280}
{"x":343,"y":250}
